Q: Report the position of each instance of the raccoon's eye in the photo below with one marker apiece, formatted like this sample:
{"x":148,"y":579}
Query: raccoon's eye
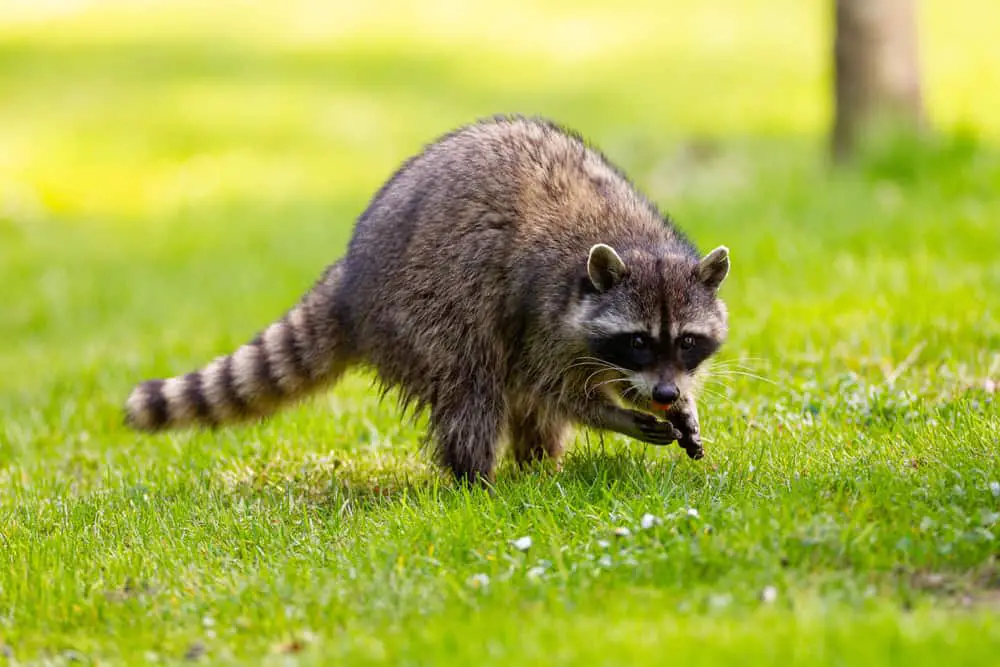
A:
{"x":687,"y":342}
{"x":639,"y":342}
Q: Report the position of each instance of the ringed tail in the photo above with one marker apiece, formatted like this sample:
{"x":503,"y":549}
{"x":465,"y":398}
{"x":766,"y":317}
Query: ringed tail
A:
{"x":291,"y":358}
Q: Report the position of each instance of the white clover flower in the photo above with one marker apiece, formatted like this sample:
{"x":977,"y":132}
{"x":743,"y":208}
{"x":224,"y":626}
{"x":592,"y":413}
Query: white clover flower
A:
{"x":522,"y":543}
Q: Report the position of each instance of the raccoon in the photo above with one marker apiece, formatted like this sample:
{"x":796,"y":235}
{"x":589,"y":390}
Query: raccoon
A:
{"x":510,"y":281}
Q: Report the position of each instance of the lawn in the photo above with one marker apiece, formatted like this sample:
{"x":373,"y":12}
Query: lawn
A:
{"x":174,"y":175}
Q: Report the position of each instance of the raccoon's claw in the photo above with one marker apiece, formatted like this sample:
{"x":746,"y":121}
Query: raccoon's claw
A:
{"x":688,"y":434}
{"x":692,"y":445}
{"x":654,"y":431}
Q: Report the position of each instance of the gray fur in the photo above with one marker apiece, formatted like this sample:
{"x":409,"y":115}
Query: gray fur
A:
{"x":475,"y":284}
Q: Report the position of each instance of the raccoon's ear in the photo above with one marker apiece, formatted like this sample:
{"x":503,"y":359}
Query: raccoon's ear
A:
{"x":604,"y":267}
{"x":714,"y":267}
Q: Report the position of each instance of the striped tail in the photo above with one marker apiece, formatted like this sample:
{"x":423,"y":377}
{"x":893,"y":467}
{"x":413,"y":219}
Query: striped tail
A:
{"x":292,"y":357}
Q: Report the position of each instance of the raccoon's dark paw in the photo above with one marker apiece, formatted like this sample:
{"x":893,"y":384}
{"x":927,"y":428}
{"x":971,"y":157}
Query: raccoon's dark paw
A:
{"x":654,"y":431}
{"x":688,"y":434}
{"x":692,"y":445}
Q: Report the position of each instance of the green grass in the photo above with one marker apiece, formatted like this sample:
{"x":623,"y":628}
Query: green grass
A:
{"x":172,"y":178}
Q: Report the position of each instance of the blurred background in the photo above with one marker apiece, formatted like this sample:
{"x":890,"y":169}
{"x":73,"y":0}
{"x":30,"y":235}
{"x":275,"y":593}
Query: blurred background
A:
{"x":137,"y":109}
{"x":174,"y":173}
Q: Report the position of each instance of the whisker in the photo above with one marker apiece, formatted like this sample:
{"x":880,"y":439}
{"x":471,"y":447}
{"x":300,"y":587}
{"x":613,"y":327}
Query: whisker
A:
{"x":587,"y":363}
{"x":718,"y":395}
{"x":590,"y":390}
{"x":740,"y":367}
{"x":611,"y":381}
{"x":747,"y":362}
{"x":586,"y":367}
{"x":583,"y":364}
{"x":730,"y":373}
{"x":587,"y":389}
{"x":629,"y":391}
{"x":745,"y":369}
{"x":592,"y":361}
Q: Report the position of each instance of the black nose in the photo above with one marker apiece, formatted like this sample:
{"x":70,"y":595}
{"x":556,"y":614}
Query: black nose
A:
{"x":665,"y":393}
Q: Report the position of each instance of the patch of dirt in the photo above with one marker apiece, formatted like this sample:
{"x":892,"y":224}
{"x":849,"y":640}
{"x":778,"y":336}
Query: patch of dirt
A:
{"x":979,"y":588}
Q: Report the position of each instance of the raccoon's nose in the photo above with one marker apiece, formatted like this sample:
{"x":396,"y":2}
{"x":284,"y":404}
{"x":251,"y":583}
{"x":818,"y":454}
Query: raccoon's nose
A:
{"x":665,"y":393}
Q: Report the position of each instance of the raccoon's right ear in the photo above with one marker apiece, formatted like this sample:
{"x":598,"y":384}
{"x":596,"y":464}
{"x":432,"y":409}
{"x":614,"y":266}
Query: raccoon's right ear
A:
{"x":714,"y":267}
{"x":604,"y":267}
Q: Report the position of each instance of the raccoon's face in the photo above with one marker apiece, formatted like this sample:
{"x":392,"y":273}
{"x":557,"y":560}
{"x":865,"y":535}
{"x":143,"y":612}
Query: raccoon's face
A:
{"x":652,"y":321}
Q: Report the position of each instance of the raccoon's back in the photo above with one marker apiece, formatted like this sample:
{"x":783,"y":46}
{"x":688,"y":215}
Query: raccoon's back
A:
{"x":465,"y":216}
{"x":461,"y":249}
{"x":426,"y":270}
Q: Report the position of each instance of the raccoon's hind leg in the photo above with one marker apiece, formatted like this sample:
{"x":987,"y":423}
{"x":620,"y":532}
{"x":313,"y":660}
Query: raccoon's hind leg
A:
{"x":535,"y":436}
{"x":465,"y":425}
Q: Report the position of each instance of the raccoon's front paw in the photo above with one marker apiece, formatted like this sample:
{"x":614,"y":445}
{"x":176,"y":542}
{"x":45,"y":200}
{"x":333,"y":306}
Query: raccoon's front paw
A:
{"x":655,"y":431}
{"x":688,"y":433}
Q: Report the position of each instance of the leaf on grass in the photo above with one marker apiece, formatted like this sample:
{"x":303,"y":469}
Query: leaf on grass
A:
{"x":294,"y":646}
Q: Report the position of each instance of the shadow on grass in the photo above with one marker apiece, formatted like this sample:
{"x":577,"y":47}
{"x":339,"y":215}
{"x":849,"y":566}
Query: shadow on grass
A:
{"x":346,"y":483}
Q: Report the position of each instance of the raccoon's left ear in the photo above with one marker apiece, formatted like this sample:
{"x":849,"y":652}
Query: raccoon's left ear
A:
{"x":714,"y":267}
{"x":604,"y":267}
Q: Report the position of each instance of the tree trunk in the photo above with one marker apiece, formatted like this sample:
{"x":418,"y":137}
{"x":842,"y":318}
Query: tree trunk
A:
{"x":877,"y":75}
